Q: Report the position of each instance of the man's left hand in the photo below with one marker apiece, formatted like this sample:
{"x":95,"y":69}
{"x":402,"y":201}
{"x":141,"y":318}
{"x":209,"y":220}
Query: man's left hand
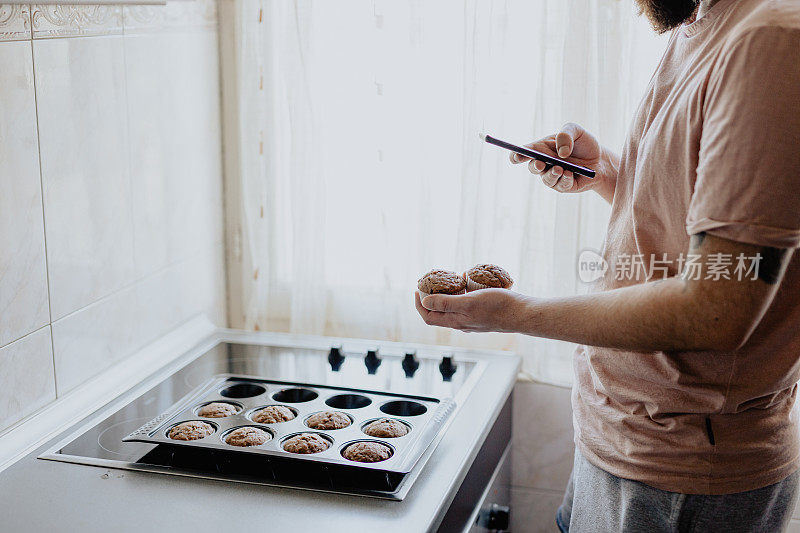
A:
{"x":478,"y":311}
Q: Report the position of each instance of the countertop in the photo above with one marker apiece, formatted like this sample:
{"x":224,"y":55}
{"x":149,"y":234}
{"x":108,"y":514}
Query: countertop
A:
{"x":39,"y":495}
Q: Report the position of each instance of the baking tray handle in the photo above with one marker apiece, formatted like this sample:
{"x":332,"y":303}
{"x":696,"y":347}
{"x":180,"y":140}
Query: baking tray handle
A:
{"x":428,"y":435}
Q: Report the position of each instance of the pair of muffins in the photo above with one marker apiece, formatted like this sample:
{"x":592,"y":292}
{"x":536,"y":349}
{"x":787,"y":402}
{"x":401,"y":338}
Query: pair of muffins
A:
{"x":362,"y":451}
{"x":197,"y":429}
{"x":483,"y":276}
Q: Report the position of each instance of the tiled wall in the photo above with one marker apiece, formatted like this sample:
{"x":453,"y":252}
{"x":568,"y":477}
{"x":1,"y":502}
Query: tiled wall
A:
{"x":110,"y":188}
{"x":541,"y":455}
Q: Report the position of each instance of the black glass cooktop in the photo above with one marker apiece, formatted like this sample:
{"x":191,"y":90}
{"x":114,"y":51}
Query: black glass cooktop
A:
{"x":400,"y":373}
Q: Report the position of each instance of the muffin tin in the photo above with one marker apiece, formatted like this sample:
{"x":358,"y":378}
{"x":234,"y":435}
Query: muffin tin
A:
{"x":424,"y":416}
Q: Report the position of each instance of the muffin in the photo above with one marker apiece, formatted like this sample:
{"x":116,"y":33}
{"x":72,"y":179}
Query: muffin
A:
{"x":306,"y":443}
{"x":247,"y":436}
{"x":441,"y":282}
{"x":386,"y":428}
{"x":217,"y":410}
{"x":328,"y":420}
{"x":367,"y":452}
{"x":192,"y":430}
{"x":273,"y":414}
{"x":487,"y":276}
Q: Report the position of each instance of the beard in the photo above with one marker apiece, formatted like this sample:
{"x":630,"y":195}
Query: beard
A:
{"x":665,"y":15}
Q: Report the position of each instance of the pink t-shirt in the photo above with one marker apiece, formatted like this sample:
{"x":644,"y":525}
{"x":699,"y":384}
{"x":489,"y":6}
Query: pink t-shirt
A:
{"x":714,"y":147}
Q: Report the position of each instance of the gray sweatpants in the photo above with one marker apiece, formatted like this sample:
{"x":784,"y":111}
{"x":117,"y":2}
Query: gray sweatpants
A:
{"x":596,"y":501}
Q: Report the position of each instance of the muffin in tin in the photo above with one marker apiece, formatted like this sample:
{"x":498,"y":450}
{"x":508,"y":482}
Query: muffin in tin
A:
{"x":273,"y":414}
{"x":218,"y":410}
{"x":386,"y":428}
{"x":487,"y":276}
{"x":306,"y":443}
{"x":439,"y":281}
{"x":191,"y":430}
{"x":247,"y":436}
{"x":328,"y":420}
{"x":367,"y":452}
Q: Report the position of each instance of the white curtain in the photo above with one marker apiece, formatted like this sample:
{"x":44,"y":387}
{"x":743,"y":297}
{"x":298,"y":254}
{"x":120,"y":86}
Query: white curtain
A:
{"x":361,"y":167}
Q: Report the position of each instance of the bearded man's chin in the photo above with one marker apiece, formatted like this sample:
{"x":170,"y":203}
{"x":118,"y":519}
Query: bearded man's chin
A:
{"x":666,"y":15}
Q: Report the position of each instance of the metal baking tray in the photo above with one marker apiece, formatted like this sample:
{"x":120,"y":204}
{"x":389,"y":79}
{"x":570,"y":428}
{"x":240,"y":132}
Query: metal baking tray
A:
{"x":425,"y":416}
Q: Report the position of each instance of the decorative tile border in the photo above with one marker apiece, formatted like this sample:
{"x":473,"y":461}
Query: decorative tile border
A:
{"x":52,"y":21}
{"x":15,"y":22}
{"x":178,"y":15}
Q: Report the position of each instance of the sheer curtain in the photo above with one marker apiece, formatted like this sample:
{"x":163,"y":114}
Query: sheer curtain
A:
{"x":360,"y":167}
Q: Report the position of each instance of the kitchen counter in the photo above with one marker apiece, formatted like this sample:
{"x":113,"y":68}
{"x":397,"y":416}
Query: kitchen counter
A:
{"x":39,"y":495}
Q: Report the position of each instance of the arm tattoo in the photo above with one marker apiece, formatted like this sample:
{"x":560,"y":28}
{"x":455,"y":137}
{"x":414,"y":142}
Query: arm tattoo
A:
{"x":697,"y":241}
{"x":770,"y":267}
{"x":773,"y":261}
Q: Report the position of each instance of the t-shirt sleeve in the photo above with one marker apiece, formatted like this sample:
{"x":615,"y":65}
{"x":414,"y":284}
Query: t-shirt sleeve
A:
{"x":748,"y":172}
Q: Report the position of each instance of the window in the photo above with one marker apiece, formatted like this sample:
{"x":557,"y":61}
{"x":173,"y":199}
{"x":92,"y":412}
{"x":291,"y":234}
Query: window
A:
{"x":358,"y":165}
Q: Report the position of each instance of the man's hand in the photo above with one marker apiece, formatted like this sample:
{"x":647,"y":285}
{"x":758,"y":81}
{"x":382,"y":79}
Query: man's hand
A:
{"x":478,"y":311}
{"x":578,"y":146}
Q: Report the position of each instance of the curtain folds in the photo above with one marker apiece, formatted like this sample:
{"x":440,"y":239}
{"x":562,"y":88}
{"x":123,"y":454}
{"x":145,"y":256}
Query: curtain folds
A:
{"x":360,"y":166}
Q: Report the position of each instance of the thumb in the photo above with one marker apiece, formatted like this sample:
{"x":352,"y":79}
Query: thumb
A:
{"x":565,"y":140}
{"x":444,"y":303}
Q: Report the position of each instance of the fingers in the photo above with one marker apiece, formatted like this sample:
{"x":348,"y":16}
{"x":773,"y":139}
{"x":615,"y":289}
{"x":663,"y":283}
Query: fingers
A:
{"x":546,"y":145}
{"x":418,"y":304}
{"x":559,"y":179}
{"x":560,"y":145}
{"x":565,"y":139}
{"x":550,"y":178}
{"x":444,"y":303}
{"x":536,"y":167}
{"x":516,"y":158}
{"x":437,"y":318}
{"x":566,"y":183}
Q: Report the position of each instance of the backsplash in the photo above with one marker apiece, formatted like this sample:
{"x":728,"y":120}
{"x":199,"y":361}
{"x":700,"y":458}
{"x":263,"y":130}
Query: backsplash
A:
{"x":110,"y":188}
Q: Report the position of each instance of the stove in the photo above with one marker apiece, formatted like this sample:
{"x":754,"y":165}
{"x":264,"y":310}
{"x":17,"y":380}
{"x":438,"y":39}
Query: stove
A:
{"x":349,"y":364}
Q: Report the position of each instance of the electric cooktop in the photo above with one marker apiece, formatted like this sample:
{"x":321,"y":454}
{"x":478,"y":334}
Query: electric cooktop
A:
{"x":356,"y":365}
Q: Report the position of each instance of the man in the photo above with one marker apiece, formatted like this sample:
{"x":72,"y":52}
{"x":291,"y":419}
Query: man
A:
{"x":684,"y":386}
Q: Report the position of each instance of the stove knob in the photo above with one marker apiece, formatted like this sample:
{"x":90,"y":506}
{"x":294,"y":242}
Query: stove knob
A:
{"x":410,"y":364}
{"x":447,"y":367}
{"x":372,"y":361}
{"x":494,"y":518}
{"x":335,"y":358}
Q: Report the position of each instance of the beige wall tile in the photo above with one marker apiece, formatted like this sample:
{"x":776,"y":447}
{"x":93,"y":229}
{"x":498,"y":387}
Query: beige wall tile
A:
{"x":543,"y":439}
{"x":175,"y":145}
{"x":26,"y":381}
{"x":94,"y":338}
{"x":23,"y":275}
{"x":85,"y":172}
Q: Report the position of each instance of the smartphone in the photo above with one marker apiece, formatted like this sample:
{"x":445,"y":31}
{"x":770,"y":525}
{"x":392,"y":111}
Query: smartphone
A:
{"x":549,"y":160}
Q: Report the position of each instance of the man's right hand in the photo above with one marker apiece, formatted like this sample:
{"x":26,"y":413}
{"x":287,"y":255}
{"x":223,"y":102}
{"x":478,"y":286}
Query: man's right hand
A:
{"x":578,"y":146}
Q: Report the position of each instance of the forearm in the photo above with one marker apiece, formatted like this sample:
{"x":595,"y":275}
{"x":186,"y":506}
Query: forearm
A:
{"x":689,"y":313}
{"x":666,"y":315}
